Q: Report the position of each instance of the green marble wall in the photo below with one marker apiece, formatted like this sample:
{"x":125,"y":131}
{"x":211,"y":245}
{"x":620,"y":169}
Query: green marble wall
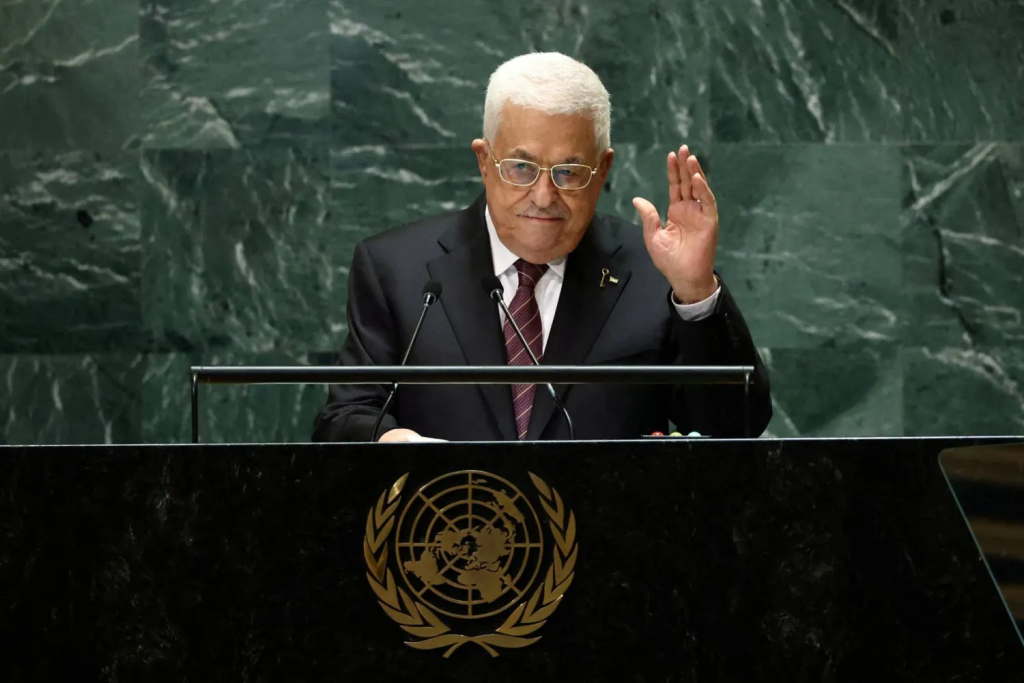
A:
{"x":183,"y":182}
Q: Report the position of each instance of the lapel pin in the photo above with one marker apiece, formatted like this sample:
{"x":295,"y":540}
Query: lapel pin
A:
{"x":605,"y":273}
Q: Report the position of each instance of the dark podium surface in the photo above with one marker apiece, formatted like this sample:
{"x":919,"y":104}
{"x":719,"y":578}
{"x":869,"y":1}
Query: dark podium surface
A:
{"x":808,"y":560}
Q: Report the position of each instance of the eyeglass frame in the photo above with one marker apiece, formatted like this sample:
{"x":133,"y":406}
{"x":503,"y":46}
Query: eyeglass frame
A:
{"x":550,"y":170}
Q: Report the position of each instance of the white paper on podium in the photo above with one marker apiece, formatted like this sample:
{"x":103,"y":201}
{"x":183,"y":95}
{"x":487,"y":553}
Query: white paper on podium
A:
{"x":416,"y":438}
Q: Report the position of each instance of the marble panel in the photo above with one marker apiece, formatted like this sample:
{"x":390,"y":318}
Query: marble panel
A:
{"x":227,"y":413}
{"x":957,"y":391}
{"x":248,"y":73}
{"x":70,"y":399}
{"x":846,"y":391}
{"x":963,"y":244}
{"x":69,"y":75}
{"x":69,"y":252}
{"x":809,"y":241}
{"x":805,"y":71}
{"x":416,"y":73}
{"x":239,"y":251}
{"x":962,"y":62}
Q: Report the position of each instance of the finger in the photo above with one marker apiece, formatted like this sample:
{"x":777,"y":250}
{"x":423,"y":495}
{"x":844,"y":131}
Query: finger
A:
{"x":702,"y":191}
{"x":673,"y":177}
{"x":648,"y":216}
{"x":693,"y":166}
{"x":685,"y":188}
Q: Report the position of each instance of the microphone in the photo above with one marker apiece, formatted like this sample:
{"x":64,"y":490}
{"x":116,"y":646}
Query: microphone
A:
{"x":494,"y":290}
{"x":431,"y":292}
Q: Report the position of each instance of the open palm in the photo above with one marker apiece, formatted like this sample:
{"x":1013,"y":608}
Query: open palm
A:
{"x":683,"y":249}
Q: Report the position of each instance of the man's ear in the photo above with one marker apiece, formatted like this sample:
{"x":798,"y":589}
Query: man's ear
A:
{"x":606,"y":164}
{"x":483,"y":158}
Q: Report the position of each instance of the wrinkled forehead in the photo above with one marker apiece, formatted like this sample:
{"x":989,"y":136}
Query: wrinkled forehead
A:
{"x":533,"y":135}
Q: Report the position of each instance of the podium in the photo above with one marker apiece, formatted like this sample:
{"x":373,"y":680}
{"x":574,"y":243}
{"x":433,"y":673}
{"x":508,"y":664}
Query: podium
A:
{"x":651,"y":560}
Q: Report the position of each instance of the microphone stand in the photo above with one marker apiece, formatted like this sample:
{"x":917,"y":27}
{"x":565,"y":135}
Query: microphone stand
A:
{"x":428,"y":299}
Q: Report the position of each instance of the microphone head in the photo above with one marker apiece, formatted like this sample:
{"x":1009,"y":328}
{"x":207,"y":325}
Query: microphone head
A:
{"x":492,"y":285}
{"x":431,"y":291}
{"x":432,"y":287}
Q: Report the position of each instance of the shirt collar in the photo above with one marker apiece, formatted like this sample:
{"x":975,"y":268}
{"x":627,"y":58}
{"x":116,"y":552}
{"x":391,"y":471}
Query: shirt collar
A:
{"x":503,"y":259}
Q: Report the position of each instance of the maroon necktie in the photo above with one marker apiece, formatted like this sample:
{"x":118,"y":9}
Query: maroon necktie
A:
{"x":527,"y":315}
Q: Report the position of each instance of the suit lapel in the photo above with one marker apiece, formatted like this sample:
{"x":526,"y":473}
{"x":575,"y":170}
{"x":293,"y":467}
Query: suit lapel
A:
{"x":473,"y":316}
{"x":583,"y":310}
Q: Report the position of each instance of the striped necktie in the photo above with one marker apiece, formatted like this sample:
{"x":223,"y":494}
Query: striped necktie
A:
{"x":527,"y":315}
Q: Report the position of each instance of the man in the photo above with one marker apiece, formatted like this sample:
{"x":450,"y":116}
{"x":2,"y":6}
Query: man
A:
{"x":585,"y":288}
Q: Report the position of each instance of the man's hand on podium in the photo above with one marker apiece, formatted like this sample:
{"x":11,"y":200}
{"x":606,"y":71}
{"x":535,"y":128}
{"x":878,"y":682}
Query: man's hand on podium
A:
{"x":398,"y":436}
{"x":404,"y":436}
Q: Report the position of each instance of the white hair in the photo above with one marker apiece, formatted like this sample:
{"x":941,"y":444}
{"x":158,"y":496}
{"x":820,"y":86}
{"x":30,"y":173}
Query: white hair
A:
{"x":552,"y":83}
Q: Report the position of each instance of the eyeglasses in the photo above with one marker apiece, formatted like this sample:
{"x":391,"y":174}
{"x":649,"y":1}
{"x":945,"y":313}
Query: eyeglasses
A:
{"x":522,"y":173}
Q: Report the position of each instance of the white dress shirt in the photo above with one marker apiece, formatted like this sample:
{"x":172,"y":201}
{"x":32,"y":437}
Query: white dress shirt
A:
{"x":549,"y":287}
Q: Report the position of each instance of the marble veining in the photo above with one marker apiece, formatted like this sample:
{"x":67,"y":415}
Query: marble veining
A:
{"x":69,"y":252}
{"x":251,"y":73}
{"x":185,"y":181}
{"x":963,"y":248}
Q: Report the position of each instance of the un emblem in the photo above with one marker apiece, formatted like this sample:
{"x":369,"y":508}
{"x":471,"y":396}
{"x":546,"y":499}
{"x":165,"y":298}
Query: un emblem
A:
{"x":469,"y":546}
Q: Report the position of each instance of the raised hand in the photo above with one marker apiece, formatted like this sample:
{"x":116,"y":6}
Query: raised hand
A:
{"x":683,"y":249}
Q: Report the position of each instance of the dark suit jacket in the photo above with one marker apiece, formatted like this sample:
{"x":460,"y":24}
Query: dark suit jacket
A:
{"x":631,"y":322}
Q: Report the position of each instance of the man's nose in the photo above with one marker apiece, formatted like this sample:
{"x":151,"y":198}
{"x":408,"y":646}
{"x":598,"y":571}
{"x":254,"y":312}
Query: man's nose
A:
{"x":543,"y":192}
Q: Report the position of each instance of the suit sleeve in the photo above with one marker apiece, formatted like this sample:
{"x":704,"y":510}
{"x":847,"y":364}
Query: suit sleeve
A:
{"x":720,"y":339}
{"x":352,"y":409}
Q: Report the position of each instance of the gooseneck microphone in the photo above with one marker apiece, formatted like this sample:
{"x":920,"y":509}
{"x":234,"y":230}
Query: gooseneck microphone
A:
{"x":431,"y":293}
{"x":494,"y":290}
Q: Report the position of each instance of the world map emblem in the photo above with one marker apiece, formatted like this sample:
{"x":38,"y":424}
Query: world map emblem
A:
{"x":470,"y":549}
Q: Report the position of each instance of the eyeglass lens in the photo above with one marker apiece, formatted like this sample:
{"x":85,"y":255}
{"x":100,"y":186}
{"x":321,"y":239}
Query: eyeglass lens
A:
{"x":565,"y":176}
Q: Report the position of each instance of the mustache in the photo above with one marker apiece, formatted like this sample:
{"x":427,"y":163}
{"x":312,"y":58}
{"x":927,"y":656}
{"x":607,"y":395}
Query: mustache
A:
{"x":541,"y":214}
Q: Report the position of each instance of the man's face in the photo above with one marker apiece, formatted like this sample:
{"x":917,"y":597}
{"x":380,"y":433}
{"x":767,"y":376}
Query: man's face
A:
{"x":541,"y":222}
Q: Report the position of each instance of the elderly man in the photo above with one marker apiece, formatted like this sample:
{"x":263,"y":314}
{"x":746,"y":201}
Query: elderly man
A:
{"x":585,"y":288}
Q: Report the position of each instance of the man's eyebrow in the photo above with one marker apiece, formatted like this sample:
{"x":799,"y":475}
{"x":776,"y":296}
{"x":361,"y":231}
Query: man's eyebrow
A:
{"x":520,"y":153}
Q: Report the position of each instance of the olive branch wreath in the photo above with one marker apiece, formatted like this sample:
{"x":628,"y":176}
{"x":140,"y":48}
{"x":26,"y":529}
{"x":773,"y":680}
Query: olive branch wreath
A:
{"x":420,"y":621}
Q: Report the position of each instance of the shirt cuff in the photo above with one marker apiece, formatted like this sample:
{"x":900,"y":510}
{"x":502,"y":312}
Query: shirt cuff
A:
{"x":697,"y":311}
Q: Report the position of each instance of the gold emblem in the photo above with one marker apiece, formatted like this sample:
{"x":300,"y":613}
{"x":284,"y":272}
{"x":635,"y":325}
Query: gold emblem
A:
{"x":469,"y":546}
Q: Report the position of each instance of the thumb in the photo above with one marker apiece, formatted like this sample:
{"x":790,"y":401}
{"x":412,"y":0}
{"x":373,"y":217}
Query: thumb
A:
{"x":649,"y":217}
